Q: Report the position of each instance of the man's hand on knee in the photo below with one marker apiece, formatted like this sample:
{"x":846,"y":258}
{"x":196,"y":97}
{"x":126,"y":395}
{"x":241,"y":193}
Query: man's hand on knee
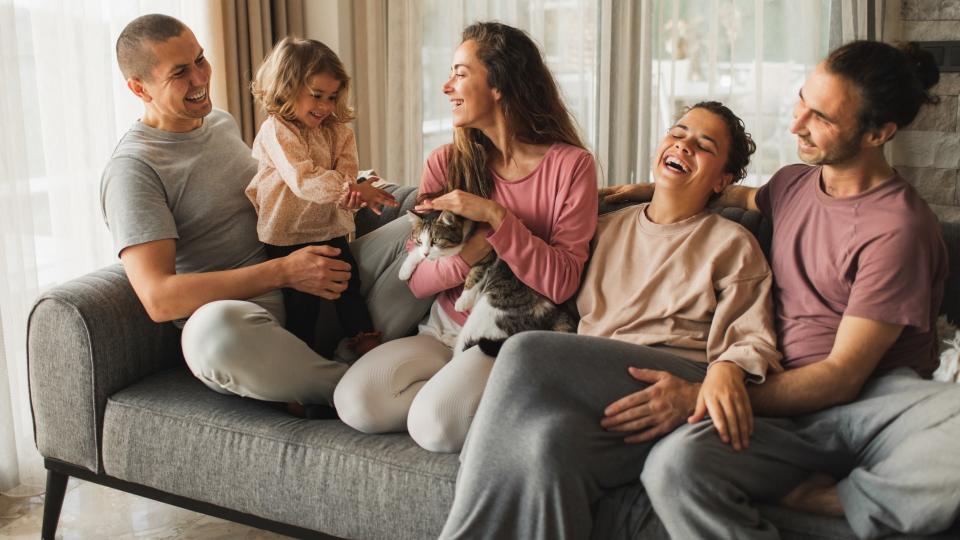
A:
{"x":653,"y":411}
{"x":311,"y":270}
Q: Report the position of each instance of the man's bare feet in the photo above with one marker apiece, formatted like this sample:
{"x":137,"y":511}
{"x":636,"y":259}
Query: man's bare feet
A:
{"x":364,"y":342}
{"x":815,"y":495}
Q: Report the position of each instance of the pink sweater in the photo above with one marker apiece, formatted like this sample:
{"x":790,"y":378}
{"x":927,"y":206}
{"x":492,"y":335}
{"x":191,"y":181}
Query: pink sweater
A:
{"x":544,"y":238}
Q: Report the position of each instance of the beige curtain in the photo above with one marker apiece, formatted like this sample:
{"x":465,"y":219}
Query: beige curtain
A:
{"x":388,"y":96}
{"x":250,"y":29}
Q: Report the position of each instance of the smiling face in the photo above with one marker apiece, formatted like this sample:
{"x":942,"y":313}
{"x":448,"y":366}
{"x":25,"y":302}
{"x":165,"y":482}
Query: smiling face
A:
{"x":177,"y":93}
{"x":693,"y":155}
{"x":474,"y":101}
{"x":316,"y":100}
{"x":825,"y":119}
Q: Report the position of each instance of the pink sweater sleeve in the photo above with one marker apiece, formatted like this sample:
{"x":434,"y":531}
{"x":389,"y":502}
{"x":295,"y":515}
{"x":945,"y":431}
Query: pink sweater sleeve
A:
{"x":432,"y":277}
{"x":553,"y":268}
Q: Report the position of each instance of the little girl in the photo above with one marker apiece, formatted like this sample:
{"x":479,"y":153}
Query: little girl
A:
{"x":305,"y":189}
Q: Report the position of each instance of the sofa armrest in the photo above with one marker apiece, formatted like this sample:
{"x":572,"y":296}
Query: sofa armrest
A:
{"x":86,"y":339}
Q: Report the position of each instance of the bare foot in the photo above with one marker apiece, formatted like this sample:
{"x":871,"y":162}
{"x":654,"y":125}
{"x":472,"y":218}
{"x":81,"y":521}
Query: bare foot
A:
{"x":815,"y":495}
{"x":296,"y":409}
{"x":364,"y":342}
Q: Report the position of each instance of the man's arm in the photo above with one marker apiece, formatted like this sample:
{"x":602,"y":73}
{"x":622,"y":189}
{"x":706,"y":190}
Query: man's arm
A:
{"x":739,"y":197}
{"x":623,"y":193}
{"x":167,"y":295}
{"x":837,"y":379}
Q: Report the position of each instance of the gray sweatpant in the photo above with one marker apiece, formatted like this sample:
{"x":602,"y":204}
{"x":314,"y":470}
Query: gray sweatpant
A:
{"x":536,"y":457}
{"x":896,"y":449}
{"x":240,"y":347}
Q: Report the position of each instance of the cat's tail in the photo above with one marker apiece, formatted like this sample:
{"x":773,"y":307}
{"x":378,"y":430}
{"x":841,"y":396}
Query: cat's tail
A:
{"x":490,"y":347}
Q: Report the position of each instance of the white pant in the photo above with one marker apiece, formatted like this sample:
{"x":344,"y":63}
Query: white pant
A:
{"x":416,"y":383}
{"x":240,"y":347}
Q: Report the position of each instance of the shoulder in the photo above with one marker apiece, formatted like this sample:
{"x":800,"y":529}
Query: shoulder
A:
{"x":221,"y":119}
{"x":341,"y":131}
{"x":137,"y":150}
{"x":436,"y":165}
{"x":618,"y":218}
{"x":901,"y":217}
{"x":732,"y":243}
{"x":790,"y":176}
{"x":571,"y":156}
{"x":571,"y":168}
{"x":898,"y":208}
{"x":440,"y":156}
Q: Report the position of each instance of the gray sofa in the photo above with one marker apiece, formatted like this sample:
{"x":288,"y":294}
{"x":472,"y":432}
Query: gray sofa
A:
{"x":114,"y":404}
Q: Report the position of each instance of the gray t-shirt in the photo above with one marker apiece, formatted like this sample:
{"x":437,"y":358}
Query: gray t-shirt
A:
{"x":188,"y":187}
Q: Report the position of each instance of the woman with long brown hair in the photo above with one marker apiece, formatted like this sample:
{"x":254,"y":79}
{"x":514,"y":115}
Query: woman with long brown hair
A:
{"x":518,"y":168}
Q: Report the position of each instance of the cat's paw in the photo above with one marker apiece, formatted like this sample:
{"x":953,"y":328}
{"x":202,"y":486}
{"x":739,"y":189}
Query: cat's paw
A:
{"x":406,"y":271}
{"x":463,"y":303}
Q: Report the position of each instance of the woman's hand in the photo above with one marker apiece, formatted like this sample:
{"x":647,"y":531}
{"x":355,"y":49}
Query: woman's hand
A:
{"x":476,"y":248}
{"x":374,"y":198}
{"x":654,"y":411}
{"x":627,"y":193}
{"x":467,"y":205}
{"x":724,"y":395}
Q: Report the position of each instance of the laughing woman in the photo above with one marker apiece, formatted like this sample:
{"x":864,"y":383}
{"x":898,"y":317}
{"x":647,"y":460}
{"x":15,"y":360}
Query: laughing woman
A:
{"x":517,"y":167}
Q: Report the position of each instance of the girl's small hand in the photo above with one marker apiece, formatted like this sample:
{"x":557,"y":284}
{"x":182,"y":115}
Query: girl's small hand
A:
{"x":352,"y":201}
{"x":470,"y":206}
{"x":374,"y":198}
{"x":724,"y":396}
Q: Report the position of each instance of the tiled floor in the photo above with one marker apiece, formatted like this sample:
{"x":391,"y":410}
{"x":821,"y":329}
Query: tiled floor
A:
{"x":91,"y":511}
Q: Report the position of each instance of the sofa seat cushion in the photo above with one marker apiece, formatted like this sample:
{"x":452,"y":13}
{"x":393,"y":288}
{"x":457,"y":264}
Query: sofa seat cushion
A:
{"x":172,"y":433}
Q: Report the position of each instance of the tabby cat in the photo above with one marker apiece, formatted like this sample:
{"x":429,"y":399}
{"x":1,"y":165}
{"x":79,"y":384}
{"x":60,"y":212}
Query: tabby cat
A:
{"x":500,"y":305}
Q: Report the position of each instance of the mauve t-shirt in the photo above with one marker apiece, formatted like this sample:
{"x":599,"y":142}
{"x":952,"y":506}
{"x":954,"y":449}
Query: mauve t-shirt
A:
{"x":878,"y":255}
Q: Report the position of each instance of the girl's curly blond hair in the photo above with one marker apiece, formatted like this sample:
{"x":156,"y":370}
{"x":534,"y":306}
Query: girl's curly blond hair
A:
{"x":286,"y":70}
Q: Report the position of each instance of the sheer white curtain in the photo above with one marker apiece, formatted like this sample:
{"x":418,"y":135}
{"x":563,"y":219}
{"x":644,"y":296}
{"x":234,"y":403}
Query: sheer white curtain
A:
{"x":386,"y":44}
{"x":63,"y":105}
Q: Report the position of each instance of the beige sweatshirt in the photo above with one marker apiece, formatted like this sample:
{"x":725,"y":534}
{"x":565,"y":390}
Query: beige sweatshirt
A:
{"x":302,"y":177}
{"x":700,"y":288}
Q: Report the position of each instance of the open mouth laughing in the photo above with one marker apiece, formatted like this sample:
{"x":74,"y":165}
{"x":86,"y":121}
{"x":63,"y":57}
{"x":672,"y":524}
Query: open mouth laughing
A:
{"x":198,"y":96}
{"x":676,"y":164}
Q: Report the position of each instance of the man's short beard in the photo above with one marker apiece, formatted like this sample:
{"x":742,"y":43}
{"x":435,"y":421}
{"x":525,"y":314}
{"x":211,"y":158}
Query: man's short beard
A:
{"x":844,"y":151}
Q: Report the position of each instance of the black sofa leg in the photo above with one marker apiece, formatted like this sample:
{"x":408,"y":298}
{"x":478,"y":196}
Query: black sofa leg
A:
{"x":53,"y":502}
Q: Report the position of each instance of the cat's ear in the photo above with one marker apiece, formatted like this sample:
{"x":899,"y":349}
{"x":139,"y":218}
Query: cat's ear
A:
{"x":414,"y":218}
{"x":447,"y":217}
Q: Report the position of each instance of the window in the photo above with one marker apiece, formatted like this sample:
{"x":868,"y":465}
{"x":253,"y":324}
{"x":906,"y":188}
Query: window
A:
{"x":753,"y":55}
{"x":565,"y":30}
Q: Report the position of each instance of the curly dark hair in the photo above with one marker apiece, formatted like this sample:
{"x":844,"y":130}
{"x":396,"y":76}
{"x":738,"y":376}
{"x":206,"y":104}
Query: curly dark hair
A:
{"x":741,"y":143}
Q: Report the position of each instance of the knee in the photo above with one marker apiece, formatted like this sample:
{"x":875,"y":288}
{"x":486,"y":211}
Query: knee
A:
{"x":676,"y":464}
{"x":522,"y":357}
{"x":438,"y":426}
{"x":212,"y":337}
{"x":359,"y":404}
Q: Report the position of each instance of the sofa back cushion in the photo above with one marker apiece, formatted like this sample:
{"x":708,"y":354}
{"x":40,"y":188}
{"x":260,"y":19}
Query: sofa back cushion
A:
{"x":753,"y":221}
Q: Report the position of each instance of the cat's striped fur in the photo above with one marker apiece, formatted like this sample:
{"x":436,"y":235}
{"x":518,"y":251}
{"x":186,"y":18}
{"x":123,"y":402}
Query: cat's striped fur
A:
{"x":500,"y":304}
